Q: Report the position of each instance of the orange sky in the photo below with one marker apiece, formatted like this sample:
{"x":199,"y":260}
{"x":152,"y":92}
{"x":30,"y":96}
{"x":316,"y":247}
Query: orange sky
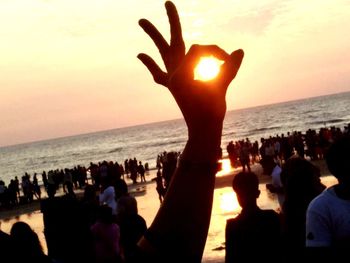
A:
{"x":70,"y":67}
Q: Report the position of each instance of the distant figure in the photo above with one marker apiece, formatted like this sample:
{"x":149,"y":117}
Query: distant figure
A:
{"x":160,"y":186}
{"x":230,"y":148}
{"x":27,"y":244}
{"x":68,"y":182}
{"x":146,"y":167}
{"x":17,"y":186}
{"x":254,"y":232}
{"x":36,"y":187}
{"x":276,"y":185}
{"x":327,"y":218}
{"x":244,"y":156}
{"x":141,"y":170}
{"x":107,"y":195}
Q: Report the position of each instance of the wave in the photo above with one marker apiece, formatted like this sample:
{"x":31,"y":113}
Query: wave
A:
{"x":118,"y":149}
{"x":326,"y":121}
{"x":311,"y":111}
{"x":228,"y":133}
{"x":265,"y":129}
{"x":166,"y":143}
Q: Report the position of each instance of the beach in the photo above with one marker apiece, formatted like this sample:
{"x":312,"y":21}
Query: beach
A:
{"x":225,"y":206}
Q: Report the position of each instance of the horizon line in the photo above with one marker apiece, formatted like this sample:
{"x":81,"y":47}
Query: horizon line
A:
{"x":167,"y":120}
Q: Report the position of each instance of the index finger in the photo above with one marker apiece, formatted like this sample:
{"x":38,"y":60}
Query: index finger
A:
{"x":175,"y":26}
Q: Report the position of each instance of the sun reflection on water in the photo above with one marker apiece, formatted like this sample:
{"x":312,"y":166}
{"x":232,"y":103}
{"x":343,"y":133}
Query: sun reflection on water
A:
{"x":225,"y":167}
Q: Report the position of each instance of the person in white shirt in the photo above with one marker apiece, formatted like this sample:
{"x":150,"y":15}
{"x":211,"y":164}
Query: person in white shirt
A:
{"x":107,"y":195}
{"x":328,"y":215}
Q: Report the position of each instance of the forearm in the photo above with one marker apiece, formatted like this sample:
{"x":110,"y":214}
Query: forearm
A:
{"x":181,"y":224}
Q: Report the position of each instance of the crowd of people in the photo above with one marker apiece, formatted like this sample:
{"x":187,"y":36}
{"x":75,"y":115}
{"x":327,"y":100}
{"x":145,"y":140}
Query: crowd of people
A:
{"x":311,"y":144}
{"x":68,"y":179}
{"x":101,"y":226}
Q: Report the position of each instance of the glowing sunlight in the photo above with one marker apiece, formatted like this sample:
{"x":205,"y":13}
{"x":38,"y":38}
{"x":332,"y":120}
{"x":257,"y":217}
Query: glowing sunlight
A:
{"x":229,"y":203}
{"x":225,"y":167}
{"x":207,"y":68}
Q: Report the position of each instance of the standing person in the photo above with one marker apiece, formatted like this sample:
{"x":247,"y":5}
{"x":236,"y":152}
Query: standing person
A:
{"x":179,"y":231}
{"x":107,"y":195}
{"x":36,"y":187}
{"x":17,"y":186}
{"x":160,"y":186}
{"x":301,"y":183}
{"x":230,"y":148}
{"x":132,"y":227}
{"x":327,"y":218}
{"x":254,"y":231}
{"x":106,"y":237}
{"x":244,"y":156}
{"x":6,"y":247}
{"x":141,"y":170}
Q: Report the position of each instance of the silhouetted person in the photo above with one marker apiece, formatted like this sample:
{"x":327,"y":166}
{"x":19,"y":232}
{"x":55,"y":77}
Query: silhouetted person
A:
{"x":160,"y":186}
{"x":328,"y":215}
{"x":107,"y":195}
{"x":301,"y":183}
{"x":6,"y":247}
{"x":27,"y":244}
{"x":106,"y":237}
{"x":254,"y":232}
{"x":64,"y":230}
{"x":89,"y":204}
{"x":141,"y":170}
{"x":132,"y":227}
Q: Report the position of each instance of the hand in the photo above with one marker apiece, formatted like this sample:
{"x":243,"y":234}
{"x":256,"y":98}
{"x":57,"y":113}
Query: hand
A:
{"x":202,"y":103}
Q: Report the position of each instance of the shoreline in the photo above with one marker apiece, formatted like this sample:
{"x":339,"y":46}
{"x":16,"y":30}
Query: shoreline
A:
{"x":7,"y":214}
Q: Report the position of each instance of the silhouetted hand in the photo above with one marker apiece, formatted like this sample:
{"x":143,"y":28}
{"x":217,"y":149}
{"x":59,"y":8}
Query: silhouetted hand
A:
{"x":180,"y":228}
{"x":202,"y":102}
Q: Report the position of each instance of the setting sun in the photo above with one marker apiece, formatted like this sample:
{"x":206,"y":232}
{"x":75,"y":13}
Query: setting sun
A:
{"x":207,"y":68}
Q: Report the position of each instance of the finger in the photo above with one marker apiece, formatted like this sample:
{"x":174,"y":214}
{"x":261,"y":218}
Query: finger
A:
{"x":197,"y":51}
{"x":230,"y":68}
{"x":155,"y":35}
{"x":176,"y":39}
{"x":159,"y":75}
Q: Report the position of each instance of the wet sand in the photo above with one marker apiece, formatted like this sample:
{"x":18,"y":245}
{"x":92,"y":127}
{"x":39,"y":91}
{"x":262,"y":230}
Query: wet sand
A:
{"x":225,"y":206}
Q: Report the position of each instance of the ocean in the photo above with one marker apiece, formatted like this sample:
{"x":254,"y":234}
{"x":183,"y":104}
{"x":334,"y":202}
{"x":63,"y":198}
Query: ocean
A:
{"x":145,"y":142}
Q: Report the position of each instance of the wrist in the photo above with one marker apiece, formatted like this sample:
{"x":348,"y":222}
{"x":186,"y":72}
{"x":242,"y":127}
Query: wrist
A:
{"x":200,"y":150}
{"x":207,"y":166}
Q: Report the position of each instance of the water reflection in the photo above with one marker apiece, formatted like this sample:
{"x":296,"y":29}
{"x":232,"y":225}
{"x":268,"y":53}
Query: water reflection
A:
{"x":225,"y":167}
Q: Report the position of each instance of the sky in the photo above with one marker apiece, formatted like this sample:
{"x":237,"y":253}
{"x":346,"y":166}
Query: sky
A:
{"x":70,"y":67}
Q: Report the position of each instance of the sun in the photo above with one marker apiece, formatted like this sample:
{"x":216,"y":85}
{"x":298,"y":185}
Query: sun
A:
{"x":207,"y":68}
